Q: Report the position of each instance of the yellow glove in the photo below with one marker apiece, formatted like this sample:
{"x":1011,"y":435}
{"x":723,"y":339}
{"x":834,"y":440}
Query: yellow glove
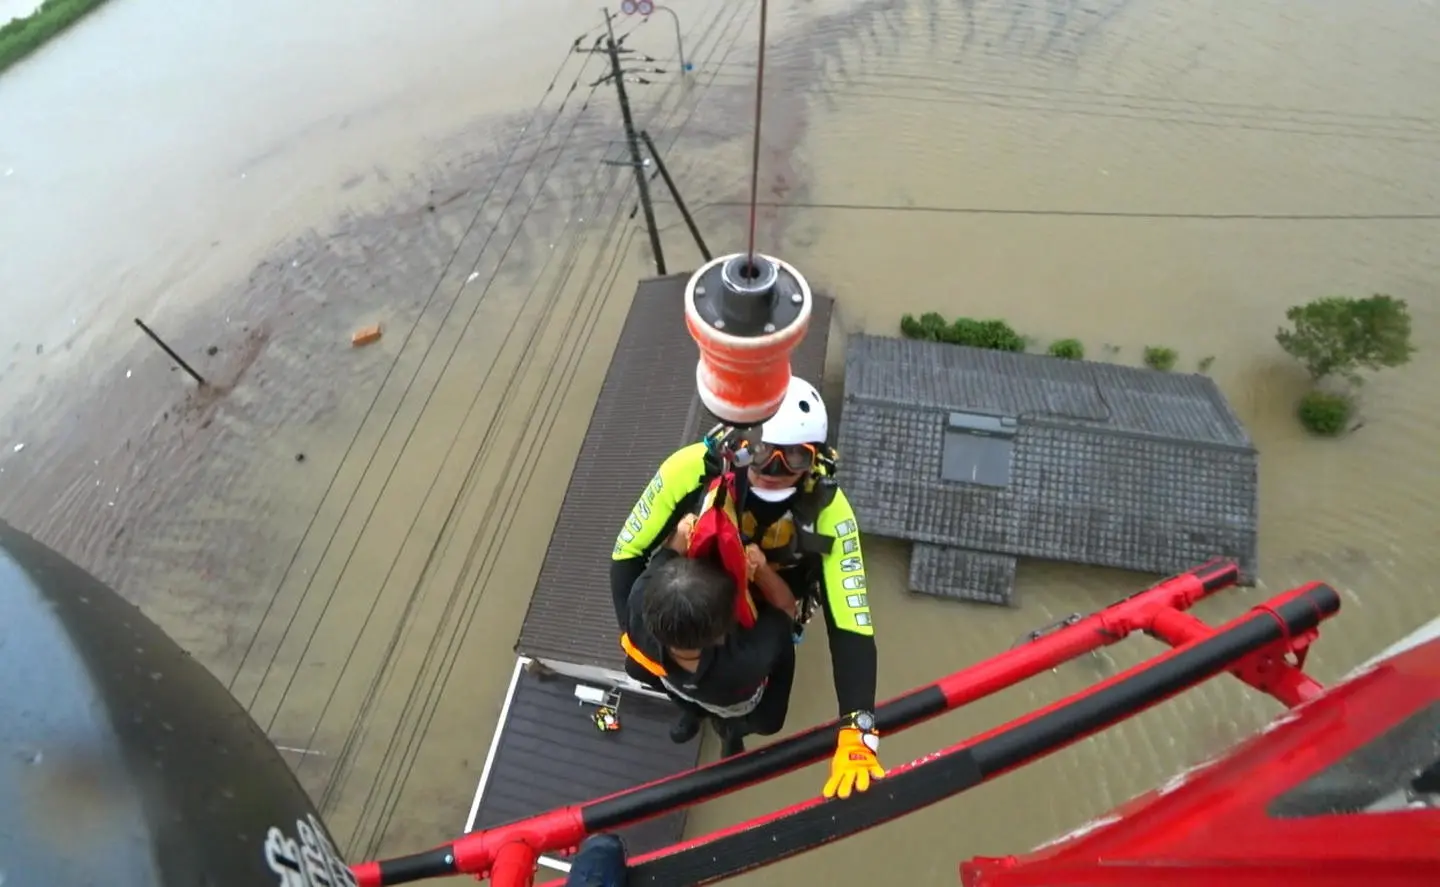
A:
{"x":854,"y":764}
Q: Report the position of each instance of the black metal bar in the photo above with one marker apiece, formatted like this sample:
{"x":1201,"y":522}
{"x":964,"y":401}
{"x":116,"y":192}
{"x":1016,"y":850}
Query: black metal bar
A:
{"x":633,"y":141}
{"x":675,"y":194}
{"x":749,"y":846}
{"x":437,"y":863}
{"x":170,"y":351}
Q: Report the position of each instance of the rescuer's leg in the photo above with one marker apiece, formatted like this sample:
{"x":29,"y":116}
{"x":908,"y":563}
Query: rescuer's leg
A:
{"x":600,"y":863}
{"x":768,"y":718}
{"x":732,"y":736}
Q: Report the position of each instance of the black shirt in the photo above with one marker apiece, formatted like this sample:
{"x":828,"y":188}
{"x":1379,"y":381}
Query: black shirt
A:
{"x":727,"y":674}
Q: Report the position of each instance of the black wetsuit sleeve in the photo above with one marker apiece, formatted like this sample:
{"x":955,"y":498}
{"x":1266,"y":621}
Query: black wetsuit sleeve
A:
{"x":853,"y":662}
{"x":847,"y":608}
{"x":623,"y":576}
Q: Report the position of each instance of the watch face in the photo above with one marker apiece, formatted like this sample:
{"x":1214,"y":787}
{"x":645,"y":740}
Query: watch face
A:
{"x":864,"y":721}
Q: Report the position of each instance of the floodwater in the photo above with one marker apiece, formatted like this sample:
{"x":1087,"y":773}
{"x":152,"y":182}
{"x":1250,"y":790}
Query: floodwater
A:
{"x":347,"y":537}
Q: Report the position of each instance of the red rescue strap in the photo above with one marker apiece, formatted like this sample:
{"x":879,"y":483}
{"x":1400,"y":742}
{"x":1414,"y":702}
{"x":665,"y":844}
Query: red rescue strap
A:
{"x":717,"y":535}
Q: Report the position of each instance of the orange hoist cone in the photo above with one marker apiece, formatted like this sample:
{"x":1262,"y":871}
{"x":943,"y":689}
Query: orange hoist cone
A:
{"x":746,"y":320}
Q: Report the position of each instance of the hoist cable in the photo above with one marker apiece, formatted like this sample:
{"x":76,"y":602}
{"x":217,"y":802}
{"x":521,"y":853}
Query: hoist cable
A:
{"x":755,"y":155}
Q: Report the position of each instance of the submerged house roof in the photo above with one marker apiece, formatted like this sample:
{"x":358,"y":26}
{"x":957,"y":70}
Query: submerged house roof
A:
{"x":979,"y":457}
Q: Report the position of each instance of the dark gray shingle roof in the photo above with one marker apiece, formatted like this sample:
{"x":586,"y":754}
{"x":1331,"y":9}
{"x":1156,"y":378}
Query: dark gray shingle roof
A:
{"x":1118,"y":398}
{"x":1112,"y":466}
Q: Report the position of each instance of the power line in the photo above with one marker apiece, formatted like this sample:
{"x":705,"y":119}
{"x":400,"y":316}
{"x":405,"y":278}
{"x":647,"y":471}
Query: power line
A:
{"x":1088,"y":213}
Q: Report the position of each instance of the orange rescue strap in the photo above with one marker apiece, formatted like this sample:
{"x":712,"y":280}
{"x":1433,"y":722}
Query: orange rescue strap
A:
{"x":641,"y":659}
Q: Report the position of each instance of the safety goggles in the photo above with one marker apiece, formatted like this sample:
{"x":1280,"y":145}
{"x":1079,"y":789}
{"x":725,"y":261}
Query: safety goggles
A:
{"x":770,"y":459}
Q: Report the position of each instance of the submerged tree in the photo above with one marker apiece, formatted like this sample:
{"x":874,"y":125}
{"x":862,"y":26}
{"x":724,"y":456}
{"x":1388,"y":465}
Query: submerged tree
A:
{"x":1338,"y":335}
{"x":1326,"y":413}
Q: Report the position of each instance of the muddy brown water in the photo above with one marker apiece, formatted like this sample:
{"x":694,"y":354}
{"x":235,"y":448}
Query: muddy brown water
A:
{"x":262,"y":180}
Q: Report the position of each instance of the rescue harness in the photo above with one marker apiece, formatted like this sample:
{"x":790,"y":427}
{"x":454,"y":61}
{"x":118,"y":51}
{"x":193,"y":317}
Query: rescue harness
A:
{"x":719,"y":531}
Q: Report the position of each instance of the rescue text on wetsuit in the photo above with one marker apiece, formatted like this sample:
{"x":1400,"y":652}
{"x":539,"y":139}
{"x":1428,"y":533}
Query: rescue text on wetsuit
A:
{"x":676,"y":490}
{"x":730,"y":679}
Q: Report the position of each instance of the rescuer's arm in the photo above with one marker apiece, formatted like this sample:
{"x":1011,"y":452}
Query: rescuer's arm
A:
{"x":852,"y":651}
{"x":772,"y":586}
{"x":847,"y":609}
{"x":653,"y":519}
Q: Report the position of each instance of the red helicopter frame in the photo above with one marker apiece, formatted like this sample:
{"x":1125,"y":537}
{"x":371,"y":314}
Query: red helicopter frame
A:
{"x":1264,"y":647}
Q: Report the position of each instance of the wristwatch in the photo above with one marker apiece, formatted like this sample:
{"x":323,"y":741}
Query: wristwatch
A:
{"x":864,"y":722}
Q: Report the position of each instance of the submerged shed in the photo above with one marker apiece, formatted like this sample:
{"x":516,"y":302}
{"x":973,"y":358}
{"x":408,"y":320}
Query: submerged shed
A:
{"x":980,"y":457}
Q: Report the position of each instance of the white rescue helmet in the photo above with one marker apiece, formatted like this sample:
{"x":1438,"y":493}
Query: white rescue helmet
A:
{"x":801,"y":418}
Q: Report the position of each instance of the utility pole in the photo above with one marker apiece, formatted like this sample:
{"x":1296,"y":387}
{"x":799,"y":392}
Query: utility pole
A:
{"x":632,"y":138}
{"x":675,"y":193}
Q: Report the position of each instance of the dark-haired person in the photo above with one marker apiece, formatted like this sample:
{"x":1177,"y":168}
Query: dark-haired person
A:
{"x":682,"y":637}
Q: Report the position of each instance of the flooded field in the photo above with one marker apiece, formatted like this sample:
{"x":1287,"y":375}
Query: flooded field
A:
{"x":348,"y":537}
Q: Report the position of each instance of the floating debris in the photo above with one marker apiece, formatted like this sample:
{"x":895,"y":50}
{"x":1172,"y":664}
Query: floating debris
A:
{"x":472,"y":277}
{"x":365,"y":335}
{"x":19,"y":447}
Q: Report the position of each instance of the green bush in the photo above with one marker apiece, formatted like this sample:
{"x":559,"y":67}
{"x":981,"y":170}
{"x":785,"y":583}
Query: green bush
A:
{"x":1326,"y":413}
{"x":21,"y":36}
{"x":1158,"y":357}
{"x":994,"y":334}
{"x":1069,"y":349}
{"x":1338,"y":335}
{"x":930,"y":326}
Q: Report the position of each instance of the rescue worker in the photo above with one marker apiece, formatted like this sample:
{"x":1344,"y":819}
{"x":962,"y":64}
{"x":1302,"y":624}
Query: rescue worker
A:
{"x":683,"y":638}
{"x":794,"y":510}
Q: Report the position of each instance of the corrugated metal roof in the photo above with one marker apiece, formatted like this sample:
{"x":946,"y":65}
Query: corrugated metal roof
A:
{"x":647,"y":409}
{"x":551,"y":755}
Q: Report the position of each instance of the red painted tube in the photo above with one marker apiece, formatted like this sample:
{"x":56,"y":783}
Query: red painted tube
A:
{"x":477,"y":853}
{"x":1266,"y":671}
{"x":1110,"y":625}
{"x":514,"y":865}
{"x":561,"y":830}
